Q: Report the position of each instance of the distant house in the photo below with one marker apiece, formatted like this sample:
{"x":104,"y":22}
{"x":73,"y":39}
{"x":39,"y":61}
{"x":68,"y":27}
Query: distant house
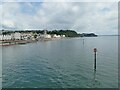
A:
{"x":62,"y":35}
{"x":12,"y":36}
{"x":6,"y":37}
{"x":26,"y":36}
{"x":45,"y":35}
{"x":56,"y":36}
{"x":17,"y":36}
{"x":1,"y":37}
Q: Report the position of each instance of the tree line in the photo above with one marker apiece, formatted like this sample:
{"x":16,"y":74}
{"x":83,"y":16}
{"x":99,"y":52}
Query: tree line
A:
{"x":67,"y":33}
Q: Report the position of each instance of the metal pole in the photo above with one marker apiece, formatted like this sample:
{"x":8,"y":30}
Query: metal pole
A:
{"x":95,"y":50}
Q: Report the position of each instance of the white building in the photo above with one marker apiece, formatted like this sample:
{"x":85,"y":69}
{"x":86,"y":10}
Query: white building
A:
{"x":47,"y":36}
{"x":1,"y":37}
{"x":56,"y":36}
{"x":12,"y":36}
{"x":5,"y":37}
{"x":17,"y":36}
{"x":26,"y":36}
{"x":62,"y":35}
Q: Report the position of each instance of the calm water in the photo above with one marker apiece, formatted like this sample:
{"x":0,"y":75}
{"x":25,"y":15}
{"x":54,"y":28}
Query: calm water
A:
{"x":62,"y":63}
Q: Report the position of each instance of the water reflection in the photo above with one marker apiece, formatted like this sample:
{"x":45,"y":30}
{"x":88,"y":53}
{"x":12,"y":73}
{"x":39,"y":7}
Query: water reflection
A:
{"x":95,"y":80}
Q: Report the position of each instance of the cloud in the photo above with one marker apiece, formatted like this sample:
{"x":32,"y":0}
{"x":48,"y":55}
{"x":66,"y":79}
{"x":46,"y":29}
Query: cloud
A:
{"x":61,"y":1}
{"x":100,"y":18}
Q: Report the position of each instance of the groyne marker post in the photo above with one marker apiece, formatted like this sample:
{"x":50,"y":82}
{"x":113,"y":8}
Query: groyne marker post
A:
{"x":95,"y":50}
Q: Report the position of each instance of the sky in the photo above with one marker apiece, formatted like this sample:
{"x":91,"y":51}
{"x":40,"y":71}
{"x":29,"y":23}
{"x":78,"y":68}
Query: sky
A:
{"x":83,"y":17}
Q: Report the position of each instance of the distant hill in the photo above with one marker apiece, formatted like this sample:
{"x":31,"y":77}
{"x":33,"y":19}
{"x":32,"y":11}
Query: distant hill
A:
{"x":88,"y":35}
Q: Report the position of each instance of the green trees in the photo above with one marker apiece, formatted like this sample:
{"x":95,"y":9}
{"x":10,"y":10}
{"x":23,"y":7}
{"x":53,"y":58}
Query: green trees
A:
{"x":67,"y":33}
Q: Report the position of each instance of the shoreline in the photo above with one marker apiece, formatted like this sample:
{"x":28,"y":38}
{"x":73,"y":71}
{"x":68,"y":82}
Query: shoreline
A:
{"x":15,"y":42}
{"x":20,"y":42}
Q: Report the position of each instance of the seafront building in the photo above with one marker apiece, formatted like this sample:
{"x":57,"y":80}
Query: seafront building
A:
{"x":28,"y":36}
{"x":49,"y":36}
{"x":16,"y":36}
{"x":56,"y":36}
{"x":45,"y":35}
{"x":12,"y":36}
{"x":25,"y":37}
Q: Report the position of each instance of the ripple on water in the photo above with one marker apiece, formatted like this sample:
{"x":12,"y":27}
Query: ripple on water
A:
{"x":66,"y":63}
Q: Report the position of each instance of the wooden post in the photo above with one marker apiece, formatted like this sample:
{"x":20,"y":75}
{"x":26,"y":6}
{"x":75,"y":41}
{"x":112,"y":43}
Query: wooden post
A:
{"x":95,"y":50}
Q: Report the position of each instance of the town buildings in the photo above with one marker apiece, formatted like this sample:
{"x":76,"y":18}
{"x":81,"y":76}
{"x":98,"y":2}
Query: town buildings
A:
{"x":28,"y":36}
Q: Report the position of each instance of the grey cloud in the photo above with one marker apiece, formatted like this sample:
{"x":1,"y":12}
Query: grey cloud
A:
{"x":82,"y":17}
